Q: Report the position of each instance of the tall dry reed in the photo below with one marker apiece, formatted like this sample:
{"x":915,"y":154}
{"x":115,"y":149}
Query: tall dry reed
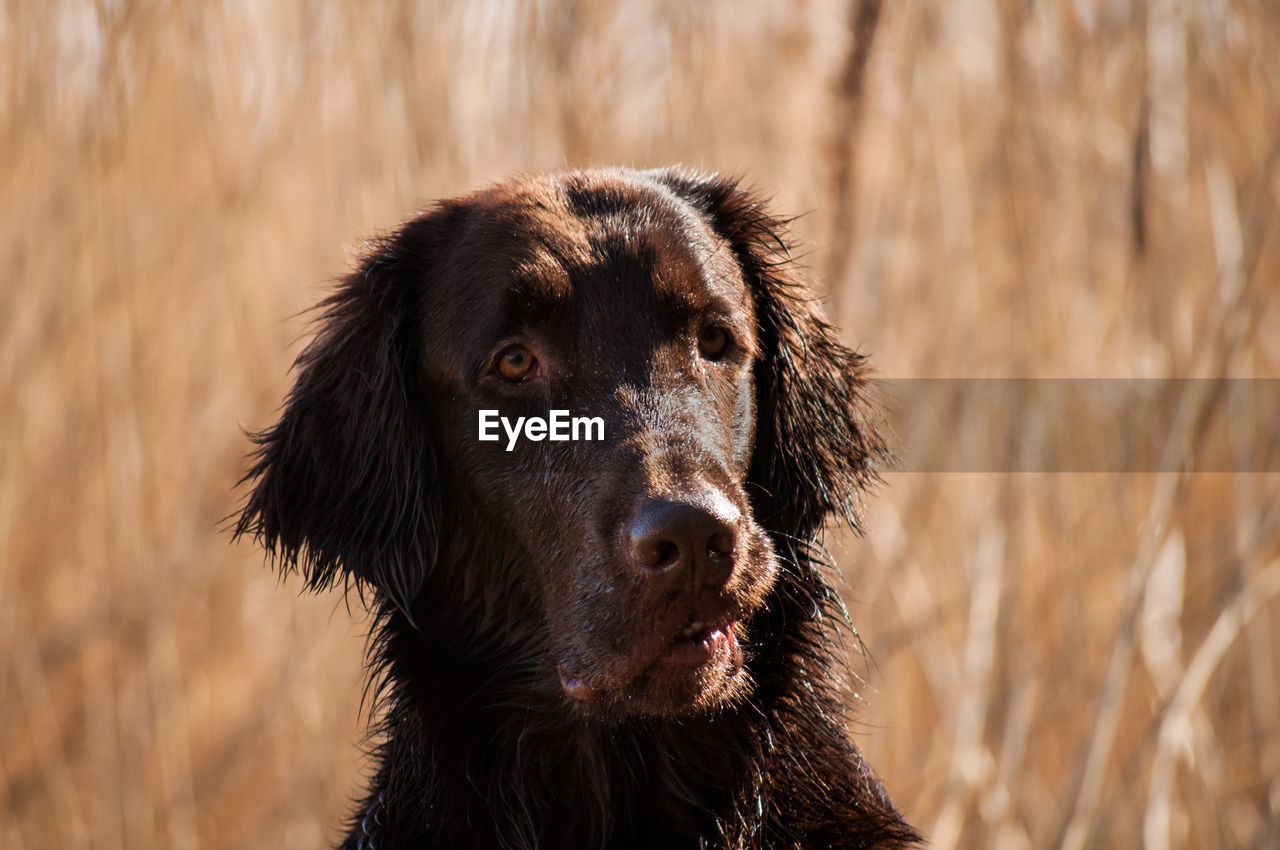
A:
{"x":993,"y":189}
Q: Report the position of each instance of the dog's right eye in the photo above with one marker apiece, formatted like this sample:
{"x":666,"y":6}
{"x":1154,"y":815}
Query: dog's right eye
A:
{"x":515,"y":362}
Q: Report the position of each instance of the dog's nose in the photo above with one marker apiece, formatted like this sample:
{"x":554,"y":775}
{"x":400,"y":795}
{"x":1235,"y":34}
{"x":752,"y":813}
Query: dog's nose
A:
{"x":684,"y":543}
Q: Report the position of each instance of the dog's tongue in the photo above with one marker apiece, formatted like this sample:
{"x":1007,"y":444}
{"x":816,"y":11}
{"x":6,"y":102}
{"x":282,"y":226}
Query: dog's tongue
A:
{"x":699,"y":648}
{"x":576,"y":689}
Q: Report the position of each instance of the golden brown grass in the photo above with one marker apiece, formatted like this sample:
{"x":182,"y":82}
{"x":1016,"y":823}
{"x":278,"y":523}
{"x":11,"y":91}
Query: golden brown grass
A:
{"x":1003,"y":189}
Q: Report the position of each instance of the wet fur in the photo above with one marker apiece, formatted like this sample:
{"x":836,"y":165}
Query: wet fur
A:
{"x":478,"y":746}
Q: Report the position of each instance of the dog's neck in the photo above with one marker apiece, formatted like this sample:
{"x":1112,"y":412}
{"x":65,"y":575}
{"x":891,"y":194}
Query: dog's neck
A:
{"x":477,"y":737}
{"x":486,"y":731}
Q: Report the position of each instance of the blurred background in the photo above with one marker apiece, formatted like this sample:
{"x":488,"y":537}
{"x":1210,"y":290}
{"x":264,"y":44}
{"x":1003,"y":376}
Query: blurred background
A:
{"x":988,"y":189}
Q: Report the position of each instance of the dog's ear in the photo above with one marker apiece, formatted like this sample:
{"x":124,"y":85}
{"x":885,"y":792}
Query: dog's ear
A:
{"x":817,"y":443}
{"x":345,"y":483}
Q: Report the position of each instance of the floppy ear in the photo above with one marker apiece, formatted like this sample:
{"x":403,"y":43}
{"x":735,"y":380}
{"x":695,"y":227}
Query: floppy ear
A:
{"x":346,"y":480}
{"x":817,"y":445}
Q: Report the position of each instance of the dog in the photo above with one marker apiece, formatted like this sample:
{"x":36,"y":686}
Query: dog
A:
{"x":618,"y":635}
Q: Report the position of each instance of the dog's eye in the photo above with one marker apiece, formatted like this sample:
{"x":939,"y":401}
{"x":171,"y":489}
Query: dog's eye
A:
{"x":713,"y":342}
{"x":515,"y":363}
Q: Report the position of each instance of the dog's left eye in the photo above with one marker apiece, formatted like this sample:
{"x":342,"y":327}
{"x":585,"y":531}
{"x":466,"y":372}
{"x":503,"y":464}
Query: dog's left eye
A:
{"x":713,"y":342}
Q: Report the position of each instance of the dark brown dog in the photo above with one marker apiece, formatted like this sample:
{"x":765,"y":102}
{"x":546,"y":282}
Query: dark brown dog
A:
{"x":623,"y":642}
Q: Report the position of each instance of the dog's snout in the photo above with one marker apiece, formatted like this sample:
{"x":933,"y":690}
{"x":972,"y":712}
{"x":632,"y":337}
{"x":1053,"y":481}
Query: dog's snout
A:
{"x":683,"y":543}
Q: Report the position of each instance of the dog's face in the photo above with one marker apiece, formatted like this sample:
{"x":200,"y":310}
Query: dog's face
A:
{"x":610,"y":300}
{"x":655,"y":307}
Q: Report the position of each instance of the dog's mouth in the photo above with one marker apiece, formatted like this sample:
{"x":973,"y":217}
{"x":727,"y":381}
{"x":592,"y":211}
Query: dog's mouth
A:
{"x":700,"y":643}
{"x":682,"y":652}
{"x":698,"y":666}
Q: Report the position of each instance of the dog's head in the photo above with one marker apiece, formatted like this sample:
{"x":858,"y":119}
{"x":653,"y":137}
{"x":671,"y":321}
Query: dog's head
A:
{"x":595,"y":408}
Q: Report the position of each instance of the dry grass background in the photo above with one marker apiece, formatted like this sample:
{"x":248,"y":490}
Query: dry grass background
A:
{"x":992,"y":188}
